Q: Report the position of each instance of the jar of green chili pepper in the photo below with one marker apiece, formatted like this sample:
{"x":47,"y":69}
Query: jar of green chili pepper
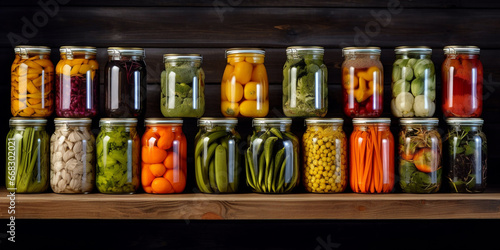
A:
{"x":118,"y":156}
{"x":217,"y":156}
{"x":272,"y":158}
{"x":27,"y":168}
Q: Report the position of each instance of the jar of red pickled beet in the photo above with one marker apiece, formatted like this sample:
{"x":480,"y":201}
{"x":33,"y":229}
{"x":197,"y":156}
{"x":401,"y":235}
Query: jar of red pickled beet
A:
{"x":462,"y":74}
{"x":362,"y":82}
{"x":77,"y":82}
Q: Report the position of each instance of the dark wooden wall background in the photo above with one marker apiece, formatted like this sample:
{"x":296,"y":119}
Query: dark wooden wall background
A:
{"x":210,"y":27}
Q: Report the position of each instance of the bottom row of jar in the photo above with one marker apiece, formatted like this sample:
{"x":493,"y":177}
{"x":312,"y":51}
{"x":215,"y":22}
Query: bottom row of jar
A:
{"x":119,"y":161}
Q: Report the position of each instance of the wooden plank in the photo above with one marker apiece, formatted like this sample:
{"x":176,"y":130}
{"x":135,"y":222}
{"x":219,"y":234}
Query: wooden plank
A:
{"x":262,"y":27}
{"x":253,"y":206}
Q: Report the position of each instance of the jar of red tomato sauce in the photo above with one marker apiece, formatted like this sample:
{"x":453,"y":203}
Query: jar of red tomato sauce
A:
{"x":362,"y":82}
{"x":462,"y":74}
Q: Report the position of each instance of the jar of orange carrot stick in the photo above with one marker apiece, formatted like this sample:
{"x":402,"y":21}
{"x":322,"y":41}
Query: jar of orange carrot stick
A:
{"x":164,"y":167}
{"x":371,"y":156}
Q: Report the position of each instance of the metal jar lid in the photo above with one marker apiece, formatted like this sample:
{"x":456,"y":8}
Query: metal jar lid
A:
{"x":413,"y":49}
{"x":337,"y":121}
{"x":72,"y":121}
{"x":14,"y":121}
{"x":25,"y":49}
{"x":208,"y":121}
{"x":162,"y":121}
{"x":312,"y":49}
{"x":71,"y":49}
{"x":264,"y":121}
{"x":126,"y":51}
{"x":454,"y":49}
{"x":465,"y":121}
{"x":360,"y":50}
{"x":245,"y":51}
{"x":118,"y":121}
{"x":196,"y":57}
{"x":371,"y":120}
{"x":419,"y":121}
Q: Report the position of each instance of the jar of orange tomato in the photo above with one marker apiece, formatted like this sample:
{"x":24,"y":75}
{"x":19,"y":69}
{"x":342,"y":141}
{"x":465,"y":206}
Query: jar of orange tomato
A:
{"x":164,"y":147}
{"x":244,"y":86}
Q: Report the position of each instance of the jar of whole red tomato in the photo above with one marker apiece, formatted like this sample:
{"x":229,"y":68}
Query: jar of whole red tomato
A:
{"x":164,"y":166}
{"x":371,"y":156}
{"x":362,"y":82}
{"x":462,"y":74}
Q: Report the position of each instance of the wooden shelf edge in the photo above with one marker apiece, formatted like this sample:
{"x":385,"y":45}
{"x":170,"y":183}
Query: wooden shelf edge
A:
{"x":250,"y":206}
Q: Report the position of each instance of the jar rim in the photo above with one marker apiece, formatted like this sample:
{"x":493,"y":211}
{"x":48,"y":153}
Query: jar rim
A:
{"x":124,"y":121}
{"x":308,"y":121}
{"x":419,"y":121}
{"x":128,"y":51}
{"x":31,"y":48}
{"x":464,"y":121}
{"x":361,"y":50}
{"x":153,"y":121}
{"x":217,"y":120}
{"x":314,"y":49}
{"x":415,"y":49}
{"x":70,"y":49}
{"x":182,"y":56}
{"x":260,"y":121}
{"x":245,"y":50}
{"x":27,"y":121}
{"x":73,"y":121}
{"x":457,"y":49}
{"x":370,"y":120}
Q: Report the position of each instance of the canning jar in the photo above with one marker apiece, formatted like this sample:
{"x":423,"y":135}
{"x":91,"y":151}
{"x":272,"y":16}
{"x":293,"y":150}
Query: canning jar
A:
{"x":244,"y":85}
{"x":217,"y":156}
{"x":72,"y":156}
{"x":32,"y":81}
{"x":372,"y":156}
{"x":125,"y":82}
{"x":305,"y":86}
{"x":324,"y":147}
{"x":164,"y":166}
{"x":467,"y":155}
{"x":413,"y":82}
{"x":462,"y":74}
{"x":27,"y":168}
{"x":77,"y":82}
{"x":118,"y":156}
{"x":182,"y":86}
{"x":420,"y":150}
{"x":362,"y":82}
{"x":272,"y":158}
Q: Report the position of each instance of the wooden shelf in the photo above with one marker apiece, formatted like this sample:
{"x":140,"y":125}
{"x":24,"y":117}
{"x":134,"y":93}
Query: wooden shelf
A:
{"x":253,"y":206}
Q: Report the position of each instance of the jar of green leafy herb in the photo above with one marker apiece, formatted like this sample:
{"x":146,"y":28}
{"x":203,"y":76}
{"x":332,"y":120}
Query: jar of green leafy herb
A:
{"x":467,"y":155}
{"x":27,"y":168}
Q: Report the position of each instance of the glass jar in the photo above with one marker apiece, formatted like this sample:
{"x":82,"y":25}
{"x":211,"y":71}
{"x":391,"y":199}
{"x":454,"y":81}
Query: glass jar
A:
{"x":362,"y":82}
{"x":324,"y":147}
{"x":272,"y":158}
{"x":413,"y":82}
{"x":305,"y":86}
{"x":77,"y":82}
{"x":27,"y":168}
{"x":125,"y":82}
{"x":182,"y":86}
{"x":72,"y":156}
{"x":372,"y":156}
{"x":217,"y":156}
{"x":32,"y":81}
{"x":467,"y":155}
{"x":244,"y":86}
{"x":118,"y":156}
{"x":462,"y":74}
{"x":420,"y":150}
{"x":164,"y":166}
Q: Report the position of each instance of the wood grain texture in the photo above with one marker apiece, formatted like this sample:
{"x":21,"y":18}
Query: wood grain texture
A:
{"x":254,"y":206}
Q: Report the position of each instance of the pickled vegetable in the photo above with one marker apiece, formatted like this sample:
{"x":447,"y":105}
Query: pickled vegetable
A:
{"x":164,"y":166}
{"x":244,"y":86}
{"x":118,"y":158}
{"x":32,"y":80}
{"x":325,"y":159}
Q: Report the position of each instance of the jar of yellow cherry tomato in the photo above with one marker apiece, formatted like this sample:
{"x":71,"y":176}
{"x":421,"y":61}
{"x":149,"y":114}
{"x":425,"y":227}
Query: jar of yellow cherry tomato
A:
{"x":324,"y":147}
{"x":77,"y":82}
{"x":244,"y":86}
{"x":32,"y":80}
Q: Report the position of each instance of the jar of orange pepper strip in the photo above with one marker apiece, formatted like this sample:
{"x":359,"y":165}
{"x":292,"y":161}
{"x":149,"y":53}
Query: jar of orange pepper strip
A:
{"x":244,"y":86}
{"x":372,"y":156}
{"x":164,"y":152}
{"x":32,"y":80}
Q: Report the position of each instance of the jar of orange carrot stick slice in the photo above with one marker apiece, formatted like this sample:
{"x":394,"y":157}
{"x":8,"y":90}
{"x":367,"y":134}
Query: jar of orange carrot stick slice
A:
{"x":164,"y":167}
{"x":371,"y":156}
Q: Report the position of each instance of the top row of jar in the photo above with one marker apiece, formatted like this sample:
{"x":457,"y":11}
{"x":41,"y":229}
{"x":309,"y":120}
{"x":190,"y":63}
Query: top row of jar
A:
{"x":244,"y":85}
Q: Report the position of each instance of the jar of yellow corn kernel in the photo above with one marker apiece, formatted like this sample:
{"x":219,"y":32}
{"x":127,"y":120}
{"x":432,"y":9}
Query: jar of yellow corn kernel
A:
{"x":325,"y":156}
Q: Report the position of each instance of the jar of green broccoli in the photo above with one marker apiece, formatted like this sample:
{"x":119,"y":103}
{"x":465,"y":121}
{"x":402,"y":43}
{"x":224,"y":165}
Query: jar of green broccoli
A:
{"x":305,"y":88}
{"x":27,"y":168}
{"x":118,"y":156}
{"x":182,"y":86}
